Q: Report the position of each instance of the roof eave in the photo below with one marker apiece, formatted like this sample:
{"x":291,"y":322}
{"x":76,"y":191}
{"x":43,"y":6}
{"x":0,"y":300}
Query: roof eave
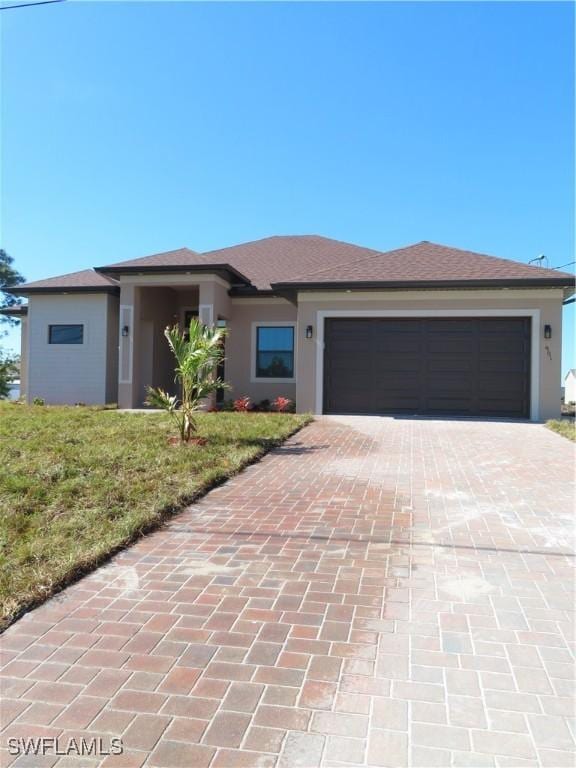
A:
{"x":249,"y":291}
{"x":62,"y":289}
{"x":16,"y":311}
{"x":226,"y":271}
{"x":367,"y":285}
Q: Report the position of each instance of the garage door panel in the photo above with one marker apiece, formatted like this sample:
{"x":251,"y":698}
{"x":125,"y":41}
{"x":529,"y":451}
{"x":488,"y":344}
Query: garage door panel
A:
{"x":445,"y":325}
{"x":450,"y":365}
{"x":511,"y":385}
{"x":501,"y":346}
{"x":385,"y":365}
{"x":459,"y":346}
{"x":461,"y":366}
{"x":503,"y":365}
{"x":396,"y":404}
{"x":500,"y":407}
{"x":439,"y":384}
{"x":448,"y":405}
{"x":389,"y":345}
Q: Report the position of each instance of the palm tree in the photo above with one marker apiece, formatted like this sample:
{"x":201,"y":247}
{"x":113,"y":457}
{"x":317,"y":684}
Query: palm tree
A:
{"x":198,"y":353}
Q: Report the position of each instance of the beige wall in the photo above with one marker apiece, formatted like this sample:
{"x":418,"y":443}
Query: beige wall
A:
{"x":239,"y":347}
{"x":548,"y":302}
{"x":24,"y":356}
{"x":68,"y":373}
{"x":112,"y":321}
{"x":159,"y":307}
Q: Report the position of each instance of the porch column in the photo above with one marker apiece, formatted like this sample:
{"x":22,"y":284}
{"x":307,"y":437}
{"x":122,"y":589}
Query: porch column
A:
{"x":213,"y":304}
{"x":213,"y":301}
{"x":129,"y":348}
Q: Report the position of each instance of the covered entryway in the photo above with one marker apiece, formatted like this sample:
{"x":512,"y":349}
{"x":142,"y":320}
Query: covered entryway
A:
{"x":466,"y":366}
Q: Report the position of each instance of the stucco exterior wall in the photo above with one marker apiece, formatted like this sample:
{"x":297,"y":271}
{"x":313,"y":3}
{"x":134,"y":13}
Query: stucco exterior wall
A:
{"x":24,"y":357}
{"x":240,"y":361}
{"x":159,"y":308}
{"x":570,"y":389}
{"x":68,"y":373}
{"x":547,"y":302}
{"x":112,"y":322}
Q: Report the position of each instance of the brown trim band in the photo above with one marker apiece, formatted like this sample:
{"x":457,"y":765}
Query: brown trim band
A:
{"x":367,"y":285}
{"x":226,"y":271}
{"x":112,"y":289}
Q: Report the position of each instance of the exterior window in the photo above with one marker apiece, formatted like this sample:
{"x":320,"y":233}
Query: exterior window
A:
{"x":275,"y":352}
{"x":190,"y":314}
{"x":65,"y":334}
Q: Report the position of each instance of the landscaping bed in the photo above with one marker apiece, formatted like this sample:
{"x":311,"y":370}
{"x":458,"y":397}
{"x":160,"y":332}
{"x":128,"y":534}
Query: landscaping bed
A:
{"x":77,"y":484}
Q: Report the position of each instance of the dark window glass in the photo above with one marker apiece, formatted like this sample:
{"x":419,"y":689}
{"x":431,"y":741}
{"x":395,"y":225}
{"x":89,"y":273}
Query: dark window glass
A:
{"x":190,"y":314}
{"x":275,"y":352}
{"x":65,"y":334}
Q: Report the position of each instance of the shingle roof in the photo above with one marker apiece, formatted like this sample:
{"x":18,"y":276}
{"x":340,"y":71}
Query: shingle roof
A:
{"x":300,"y":260}
{"x":180,"y":257}
{"x":278,"y":259}
{"x":86,"y":280}
{"x":425,"y":262}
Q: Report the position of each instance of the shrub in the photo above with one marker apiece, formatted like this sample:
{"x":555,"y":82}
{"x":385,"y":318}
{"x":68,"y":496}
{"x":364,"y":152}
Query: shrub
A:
{"x":242,"y":404}
{"x":38,"y":401}
{"x":282,"y":404}
{"x":198,"y":353}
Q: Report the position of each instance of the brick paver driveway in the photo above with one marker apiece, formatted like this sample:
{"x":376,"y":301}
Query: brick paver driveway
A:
{"x":378,"y":591}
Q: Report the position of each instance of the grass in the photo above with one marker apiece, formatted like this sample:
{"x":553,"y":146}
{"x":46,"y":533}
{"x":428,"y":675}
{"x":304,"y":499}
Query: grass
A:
{"x":566,"y":428}
{"x":78,"y":484}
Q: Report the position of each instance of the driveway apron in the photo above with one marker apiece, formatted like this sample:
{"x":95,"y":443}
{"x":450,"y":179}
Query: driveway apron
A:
{"x":377,"y":591}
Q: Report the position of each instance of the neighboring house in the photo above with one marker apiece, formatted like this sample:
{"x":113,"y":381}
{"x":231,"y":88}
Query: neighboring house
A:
{"x":14,"y":390}
{"x":570,"y":386}
{"x":425,"y":329}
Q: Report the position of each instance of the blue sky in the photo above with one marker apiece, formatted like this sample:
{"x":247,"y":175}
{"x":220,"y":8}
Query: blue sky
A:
{"x":131,"y":128}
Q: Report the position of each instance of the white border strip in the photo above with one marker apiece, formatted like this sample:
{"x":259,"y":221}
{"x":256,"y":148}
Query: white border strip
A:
{"x":206,"y":314}
{"x":533,"y":314}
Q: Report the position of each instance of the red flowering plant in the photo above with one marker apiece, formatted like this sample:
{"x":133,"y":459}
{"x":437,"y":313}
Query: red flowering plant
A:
{"x":282,"y":404}
{"x":242,"y":404}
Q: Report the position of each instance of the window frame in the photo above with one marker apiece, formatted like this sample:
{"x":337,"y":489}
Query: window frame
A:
{"x":254,"y":378}
{"x":81,"y":343}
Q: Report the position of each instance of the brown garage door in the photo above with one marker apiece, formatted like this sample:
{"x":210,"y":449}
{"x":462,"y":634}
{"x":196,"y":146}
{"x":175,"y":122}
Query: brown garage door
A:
{"x":459,"y":366}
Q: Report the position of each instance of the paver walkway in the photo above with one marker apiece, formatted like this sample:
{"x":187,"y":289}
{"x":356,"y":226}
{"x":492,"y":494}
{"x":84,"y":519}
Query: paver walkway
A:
{"x":379,"y":591}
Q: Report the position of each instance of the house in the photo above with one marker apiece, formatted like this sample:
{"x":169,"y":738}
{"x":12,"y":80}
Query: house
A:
{"x":570,"y":387}
{"x":424,"y":329}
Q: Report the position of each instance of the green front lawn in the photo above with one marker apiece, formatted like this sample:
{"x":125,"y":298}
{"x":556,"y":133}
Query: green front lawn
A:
{"x":566,"y":428}
{"x":76,"y":484}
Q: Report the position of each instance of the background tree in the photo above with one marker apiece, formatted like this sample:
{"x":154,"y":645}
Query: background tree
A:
{"x":9,"y":277}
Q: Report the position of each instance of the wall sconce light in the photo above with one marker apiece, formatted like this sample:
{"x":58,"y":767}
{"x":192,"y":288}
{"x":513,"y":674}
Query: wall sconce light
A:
{"x":125,"y":330}
{"x":547,"y":331}
{"x":309,"y":331}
